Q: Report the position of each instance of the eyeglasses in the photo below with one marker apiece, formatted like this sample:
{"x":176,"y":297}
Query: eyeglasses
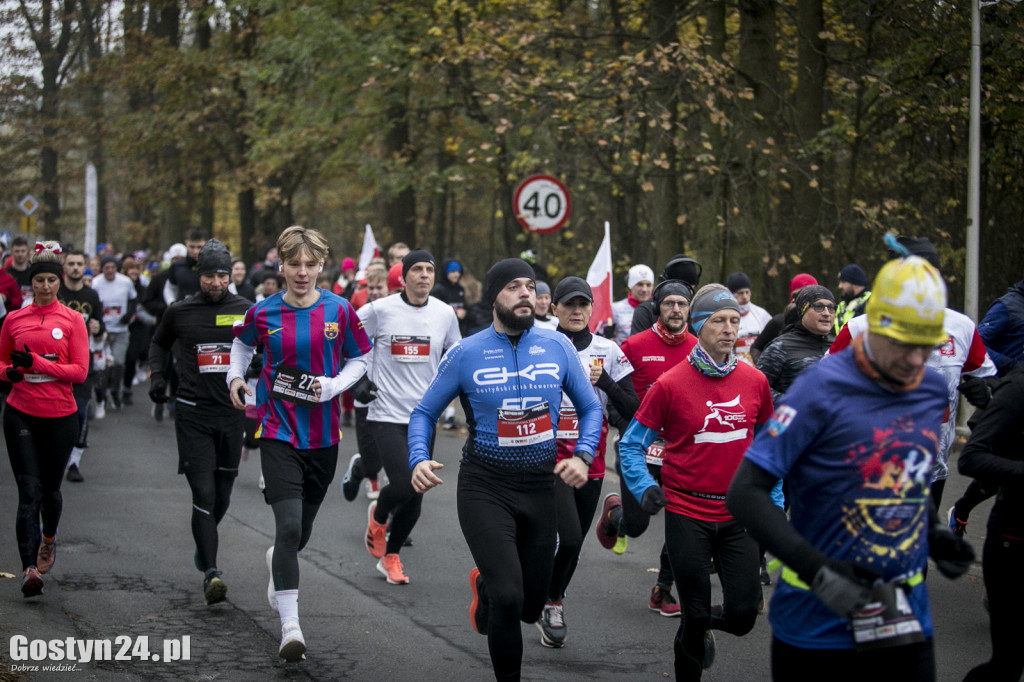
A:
{"x":682,"y":305}
{"x":822,"y":307}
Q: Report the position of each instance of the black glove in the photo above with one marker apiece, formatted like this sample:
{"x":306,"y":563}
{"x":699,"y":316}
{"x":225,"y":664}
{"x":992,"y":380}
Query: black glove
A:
{"x":158,"y":389}
{"x":609,"y":331}
{"x":654,"y":500}
{"x":364,"y":390}
{"x":255,"y":367}
{"x":14,"y":375}
{"x":22,"y":358}
{"x":977,"y":391}
{"x":605,"y":381}
{"x":125,"y":319}
{"x":952,"y":554}
{"x":844,"y":587}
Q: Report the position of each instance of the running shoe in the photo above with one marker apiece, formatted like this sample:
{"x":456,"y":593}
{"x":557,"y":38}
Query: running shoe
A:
{"x":391,"y":568}
{"x":766,"y":578}
{"x":376,"y":534}
{"x":449,"y":424}
{"x":664,"y":603}
{"x":607,"y":532}
{"x":957,"y":526}
{"x":620,"y":544}
{"x":709,"y":650}
{"x":214,"y":589}
{"x":262,"y":485}
{"x":74,"y":475}
{"x":101,"y":410}
{"x":126,"y":398}
{"x":157,"y":411}
{"x":271,"y":592}
{"x":31,"y":583}
{"x":479,"y":608}
{"x":552,"y":626}
{"x":372,"y":488}
{"x":350,"y":482}
{"x":293,"y":644}
{"x":115,"y":397}
{"x":45,"y":557}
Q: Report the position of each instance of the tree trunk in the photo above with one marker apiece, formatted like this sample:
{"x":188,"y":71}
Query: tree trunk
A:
{"x":810,"y":96}
{"x":663,"y":19}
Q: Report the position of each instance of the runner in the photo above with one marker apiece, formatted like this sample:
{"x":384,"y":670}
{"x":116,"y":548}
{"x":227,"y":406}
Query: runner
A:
{"x":753,"y":317}
{"x":44,"y":349}
{"x":542,"y":312}
{"x":854,"y":438}
{"x":119,"y":299}
{"x":640,"y":285}
{"x":680,"y":268}
{"x":208,"y":429}
{"x":509,"y":379}
{"x":306,"y":334}
{"x":610,"y":373}
{"x":706,"y":409}
{"x":410,"y":332}
{"x":83,"y":300}
{"x":651,"y":353}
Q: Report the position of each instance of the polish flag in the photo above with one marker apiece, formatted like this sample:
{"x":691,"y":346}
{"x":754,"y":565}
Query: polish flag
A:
{"x":599,"y":277}
{"x":370,"y":249}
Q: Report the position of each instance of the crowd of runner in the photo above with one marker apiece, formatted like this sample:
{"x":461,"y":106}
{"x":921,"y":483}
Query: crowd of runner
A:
{"x":809,"y":448}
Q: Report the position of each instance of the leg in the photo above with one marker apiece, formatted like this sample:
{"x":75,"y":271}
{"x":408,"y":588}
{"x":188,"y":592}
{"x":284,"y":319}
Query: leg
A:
{"x":689,"y":545}
{"x":738,"y":569}
{"x":204,"y":524}
{"x":1001,"y":564}
{"x":397,"y":498}
{"x":25,"y":466}
{"x":55,"y":438}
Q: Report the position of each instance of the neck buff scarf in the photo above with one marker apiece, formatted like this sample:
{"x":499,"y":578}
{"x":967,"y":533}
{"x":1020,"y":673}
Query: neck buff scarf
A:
{"x":703,"y":363}
{"x":632,"y":301}
{"x":668,"y":337}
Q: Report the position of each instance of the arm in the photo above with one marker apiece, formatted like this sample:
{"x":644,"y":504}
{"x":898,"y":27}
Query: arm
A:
{"x":163,"y":338}
{"x":77,"y":368}
{"x":643,"y":319}
{"x":442,"y":390}
{"x":995,"y":323}
{"x":633,"y":458}
{"x":588,"y":408}
{"x":990,"y":429}
{"x":771,"y":363}
{"x":621,"y":396}
{"x":330,"y":388}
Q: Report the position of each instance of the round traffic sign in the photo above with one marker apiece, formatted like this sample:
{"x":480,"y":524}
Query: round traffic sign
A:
{"x":542,"y":204}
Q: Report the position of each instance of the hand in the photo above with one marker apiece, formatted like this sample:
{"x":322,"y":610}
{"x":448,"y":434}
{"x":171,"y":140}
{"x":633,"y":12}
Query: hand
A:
{"x":316,"y":388}
{"x":653,"y":500}
{"x":844,"y":587}
{"x":126,"y":318}
{"x":14,"y":375}
{"x":22,"y":358}
{"x":423,"y":478}
{"x":595,"y":373}
{"x":952,"y":554}
{"x":94,"y":327}
{"x":977,"y":391}
{"x":572,"y":471}
{"x":158,"y":389}
{"x":364,"y":390}
{"x":238,"y":390}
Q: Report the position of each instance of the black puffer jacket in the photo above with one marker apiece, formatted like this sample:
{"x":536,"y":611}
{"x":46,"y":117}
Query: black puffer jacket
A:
{"x":790,"y":353}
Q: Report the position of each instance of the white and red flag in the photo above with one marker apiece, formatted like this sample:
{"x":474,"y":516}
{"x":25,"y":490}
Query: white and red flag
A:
{"x":370,"y":249}
{"x":599,"y":277}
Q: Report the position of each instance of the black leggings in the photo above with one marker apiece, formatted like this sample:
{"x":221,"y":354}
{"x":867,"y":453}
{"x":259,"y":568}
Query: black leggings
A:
{"x":39,"y":448}
{"x":293,"y":521}
{"x":575,"y":509}
{"x":509,"y":523}
{"x":910,"y":663}
{"x":82,"y":436}
{"x":370,"y":464}
{"x":397,"y":499}
{"x":211,"y":495}
{"x":691,"y":545}
{"x":1002,"y":559}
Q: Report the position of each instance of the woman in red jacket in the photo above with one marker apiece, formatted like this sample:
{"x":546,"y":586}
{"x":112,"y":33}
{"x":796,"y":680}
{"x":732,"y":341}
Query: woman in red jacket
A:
{"x":44,"y":349}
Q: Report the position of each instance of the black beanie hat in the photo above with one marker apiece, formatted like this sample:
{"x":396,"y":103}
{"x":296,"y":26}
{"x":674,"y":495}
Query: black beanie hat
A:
{"x":503,"y":272}
{"x":672,"y":287}
{"x":413,"y":257}
{"x":737,"y":281}
{"x":213,"y":257}
{"x":809,"y":294}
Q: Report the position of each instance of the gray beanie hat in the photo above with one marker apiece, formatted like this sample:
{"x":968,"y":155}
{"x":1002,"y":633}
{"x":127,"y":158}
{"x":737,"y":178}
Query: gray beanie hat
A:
{"x":708,"y":300}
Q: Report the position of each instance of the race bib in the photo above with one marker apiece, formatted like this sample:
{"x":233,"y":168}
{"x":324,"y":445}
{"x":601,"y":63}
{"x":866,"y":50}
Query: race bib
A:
{"x":112,"y":311}
{"x":213,"y":357}
{"x":410,"y":348}
{"x":525,"y":427}
{"x":568,"y":423}
{"x":656,"y":452}
{"x":294,"y":385}
{"x":889,"y":620}
{"x":42,"y":378}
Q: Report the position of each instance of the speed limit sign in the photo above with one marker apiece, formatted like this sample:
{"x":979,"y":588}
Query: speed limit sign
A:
{"x":542,"y":204}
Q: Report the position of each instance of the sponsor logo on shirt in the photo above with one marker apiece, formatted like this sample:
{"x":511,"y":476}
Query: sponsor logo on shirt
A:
{"x":948,"y":348}
{"x":501,"y":375}
{"x":721,"y":415}
{"x":781,"y":419}
{"x":653,"y":358}
{"x":536,"y":350}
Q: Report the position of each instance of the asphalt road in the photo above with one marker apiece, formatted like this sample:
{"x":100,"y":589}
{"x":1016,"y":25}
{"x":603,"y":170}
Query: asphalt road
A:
{"x":124,"y":569}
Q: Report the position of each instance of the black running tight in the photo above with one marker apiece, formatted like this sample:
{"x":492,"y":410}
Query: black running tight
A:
{"x":211,"y":495}
{"x":38,"y":448}
{"x":397,"y":498}
{"x":293,"y":519}
{"x":576,"y":509}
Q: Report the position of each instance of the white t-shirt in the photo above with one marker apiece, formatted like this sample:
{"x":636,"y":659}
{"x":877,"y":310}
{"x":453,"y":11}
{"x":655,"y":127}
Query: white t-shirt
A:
{"x":752,"y":324}
{"x":606,"y":353}
{"x":114,"y":295}
{"x":622,"y":318}
{"x":408,"y":342}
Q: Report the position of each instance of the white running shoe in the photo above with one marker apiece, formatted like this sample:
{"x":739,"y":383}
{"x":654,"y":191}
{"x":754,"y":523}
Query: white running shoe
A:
{"x":372,"y":488}
{"x":101,"y":410}
{"x":293,"y":644}
{"x":262,"y":484}
{"x":271,"y":592}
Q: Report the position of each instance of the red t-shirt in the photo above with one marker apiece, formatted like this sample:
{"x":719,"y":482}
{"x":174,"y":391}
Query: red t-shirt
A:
{"x":707,"y":425}
{"x":651,"y":357}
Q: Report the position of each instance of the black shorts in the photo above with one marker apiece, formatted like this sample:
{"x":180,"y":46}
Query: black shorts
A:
{"x":296,"y":474}
{"x":208,"y":440}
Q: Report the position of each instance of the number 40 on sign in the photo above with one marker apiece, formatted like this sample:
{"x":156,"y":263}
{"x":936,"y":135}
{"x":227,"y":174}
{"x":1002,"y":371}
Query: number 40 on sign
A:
{"x":542,"y":204}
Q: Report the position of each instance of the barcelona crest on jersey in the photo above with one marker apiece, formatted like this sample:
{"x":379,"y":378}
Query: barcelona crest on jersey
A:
{"x":331,"y":330}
